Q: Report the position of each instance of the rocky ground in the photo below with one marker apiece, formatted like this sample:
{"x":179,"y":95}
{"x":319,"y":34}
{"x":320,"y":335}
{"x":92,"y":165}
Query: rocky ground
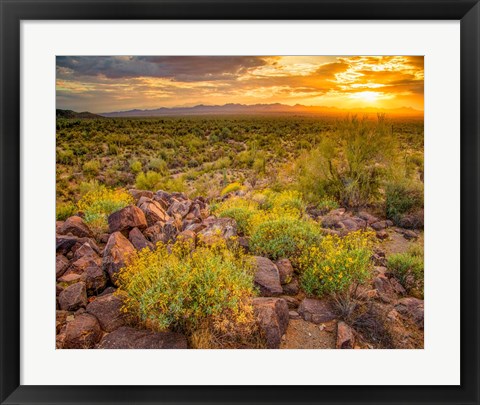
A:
{"x":89,"y":314}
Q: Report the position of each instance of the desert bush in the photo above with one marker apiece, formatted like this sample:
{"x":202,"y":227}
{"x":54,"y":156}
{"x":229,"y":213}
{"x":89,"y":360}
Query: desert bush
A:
{"x":286,"y":203}
{"x":159,"y":165}
{"x":409,"y":268}
{"x":91,"y":167}
{"x":88,"y":186}
{"x":337,"y":264}
{"x":232,"y":187}
{"x":284,"y":238}
{"x":148,"y":181}
{"x":327,"y":204}
{"x":401,"y":197}
{"x":98,"y":204}
{"x":65,"y":210}
{"x":136,"y":166}
{"x":184,"y":290}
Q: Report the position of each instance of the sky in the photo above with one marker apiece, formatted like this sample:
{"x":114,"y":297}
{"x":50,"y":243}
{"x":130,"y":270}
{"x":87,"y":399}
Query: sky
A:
{"x":118,"y":83}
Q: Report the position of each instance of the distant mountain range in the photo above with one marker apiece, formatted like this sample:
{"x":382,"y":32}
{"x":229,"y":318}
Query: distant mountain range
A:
{"x":259,"y":109}
{"x":73,"y":114}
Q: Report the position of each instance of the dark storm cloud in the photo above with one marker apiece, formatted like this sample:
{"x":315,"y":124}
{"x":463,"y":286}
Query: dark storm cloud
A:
{"x":181,"y":68}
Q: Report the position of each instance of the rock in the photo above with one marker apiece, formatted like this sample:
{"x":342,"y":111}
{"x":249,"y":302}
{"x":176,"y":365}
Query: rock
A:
{"x":68,"y":244}
{"x":408,"y":234}
{"x":129,"y":338}
{"x":382,"y":235}
{"x":85,"y":250}
{"x":267,"y":277}
{"x":291,"y":288}
{"x":82,"y":333}
{"x":137,"y":194}
{"x":182,"y":208}
{"x":413,"y":220}
{"x":285,"y":270}
{"x":95,"y":280}
{"x":116,"y":254}
{"x":218,"y":227}
{"x":385,"y":289}
{"x":79,"y":266}
{"x":187,"y":237}
{"x":412,"y":308}
{"x":108,"y":290}
{"x":126,"y":219}
{"x":352,"y":224}
{"x":345,"y":336}
{"x":108,"y":310}
{"x":370,"y":219}
{"x":293,"y":315}
{"x":154,"y":212}
{"x":58,"y":226}
{"x":316,"y":311}
{"x":331,"y":220}
{"x":73,"y":297}
{"x":61,"y":265}
{"x":139,"y":241}
{"x":397,"y":287}
{"x":381,"y":225}
{"x":169,"y":231}
{"x":272,"y":316}
{"x":76,"y":227}
{"x":60,"y":320}
{"x":292,"y":303}
{"x":154,"y":233}
{"x":69,"y":279}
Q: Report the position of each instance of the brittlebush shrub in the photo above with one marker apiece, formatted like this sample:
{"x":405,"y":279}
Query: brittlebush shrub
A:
{"x":232,"y":187}
{"x":409,"y":268}
{"x":65,"y":210}
{"x":337,"y":264}
{"x":207,"y":289}
{"x":99,"y":203}
{"x":284,"y":238}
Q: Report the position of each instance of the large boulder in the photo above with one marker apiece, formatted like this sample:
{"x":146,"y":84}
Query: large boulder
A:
{"x":267,"y":277}
{"x":108,"y":310}
{"x":272,"y":316}
{"x":129,"y":338}
{"x":316,"y":311}
{"x":181,"y":208}
{"x":138,"y":240}
{"x":126,"y":219}
{"x":116,"y":253}
{"x":73,"y":297}
{"x":285,"y":270}
{"x":154,"y":212}
{"x":137,"y":194}
{"x":82,"y":333}
{"x":77,"y":227}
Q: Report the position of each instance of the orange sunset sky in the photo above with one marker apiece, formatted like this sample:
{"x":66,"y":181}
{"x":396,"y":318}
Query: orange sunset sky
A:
{"x":114,"y":83}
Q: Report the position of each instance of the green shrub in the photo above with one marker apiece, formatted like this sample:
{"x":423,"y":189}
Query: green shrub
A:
{"x":92,"y":167}
{"x":408,"y":268}
{"x":232,"y":187}
{"x":136,"y":166}
{"x":337,"y":264}
{"x":402,"y":197}
{"x":210,"y":287}
{"x":98,"y":204}
{"x":65,"y":210}
{"x":148,"y":181}
{"x":284,"y":238}
{"x":159,"y":165}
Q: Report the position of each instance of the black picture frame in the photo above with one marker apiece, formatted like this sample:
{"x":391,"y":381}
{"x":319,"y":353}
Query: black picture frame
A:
{"x":14,"y":11}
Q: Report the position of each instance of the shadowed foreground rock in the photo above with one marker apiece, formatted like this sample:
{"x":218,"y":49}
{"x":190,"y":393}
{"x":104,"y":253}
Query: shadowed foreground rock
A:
{"x":316,"y":311}
{"x":272,"y":317}
{"x":129,"y":338}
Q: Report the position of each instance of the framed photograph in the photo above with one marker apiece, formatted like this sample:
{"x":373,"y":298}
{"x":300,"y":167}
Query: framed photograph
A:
{"x":267,"y":202}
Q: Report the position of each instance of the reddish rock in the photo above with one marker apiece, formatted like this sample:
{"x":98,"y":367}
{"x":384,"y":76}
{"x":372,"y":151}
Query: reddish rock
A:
{"x":154,"y":233}
{"x":69,"y":279}
{"x":79,"y":265}
{"x":82,"y":333}
{"x":291,"y":288}
{"x":108,"y":310}
{"x":381,"y":225}
{"x":154,"y":212}
{"x":61,"y":265}
{"x":61,"y":320}
{"x":76,"y":227}
{"x":137,"y":194}
{"x":285,"y":270}
{"x":188,"y":237}
{"x":218,"y":227}
{"x":384,"y":289}
{"x":316,"y":311}
{"x":345,"y":336}
{"x":139,"y":241}
{"x":267,"y":277}
{"x":69,"y":244}
{"x":272,"y":316}
{"x":382,"y":235}
{"x":408,"y":234}
{"x":95,"y":280}
{"x":181,"y":208}
{"x":370,"y":219}
{"x":412,"y":308}
{"x":126,"y":219}
{"x":85,"y":250}
{"x":116,"y":253}
{"x":129,"y":338}
{"x":73,"y":297}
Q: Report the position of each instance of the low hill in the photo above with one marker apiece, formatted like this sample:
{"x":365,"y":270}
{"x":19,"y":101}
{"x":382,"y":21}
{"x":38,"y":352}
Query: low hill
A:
{"x":74,"y":114}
